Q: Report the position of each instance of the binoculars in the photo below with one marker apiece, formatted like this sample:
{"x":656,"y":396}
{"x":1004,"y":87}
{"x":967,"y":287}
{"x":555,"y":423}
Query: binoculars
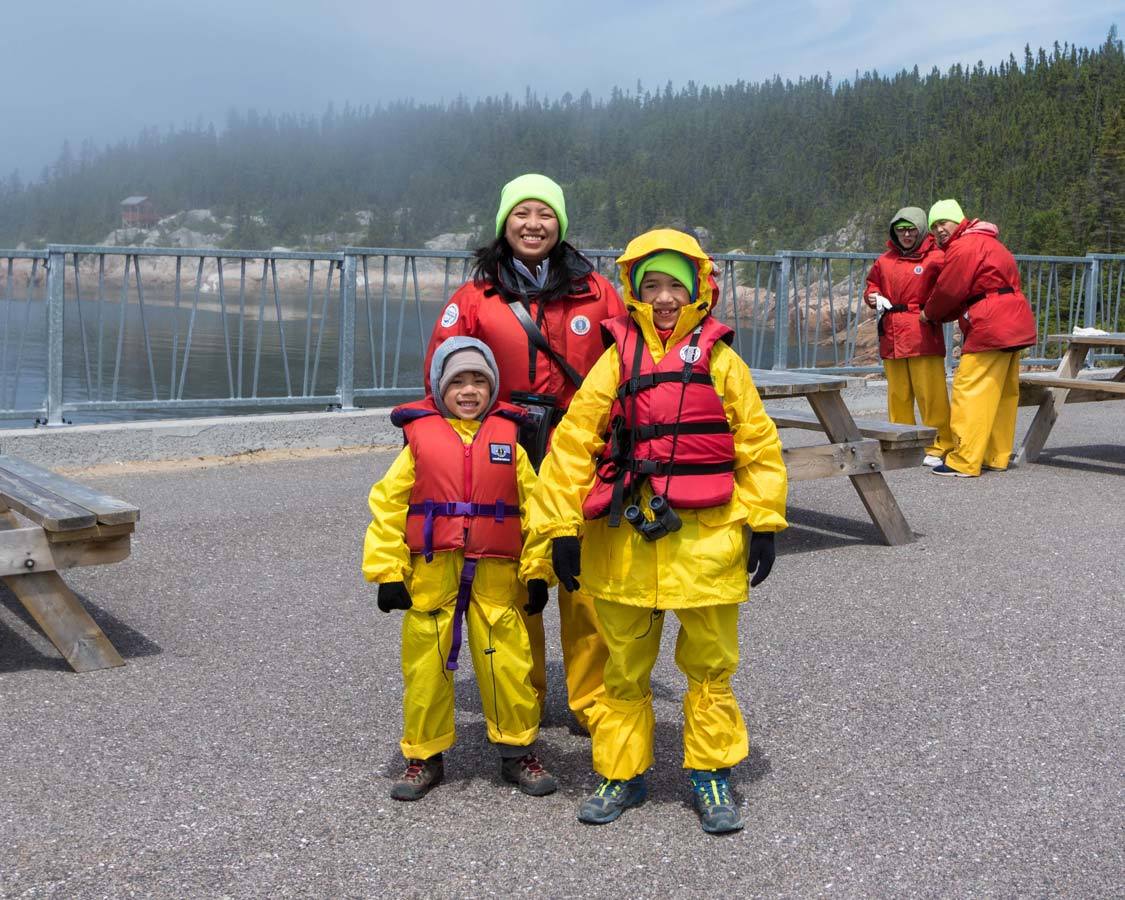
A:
{"x":665,"y":519}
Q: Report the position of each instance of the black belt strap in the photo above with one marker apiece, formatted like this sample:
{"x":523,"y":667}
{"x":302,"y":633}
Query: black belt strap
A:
{"x":540,"y":342}
{"x":648,"y":432}
{"x":640,"y":383}
{"x":976,"y":298}
{"x":655,"y":467}
{"x":897,"y":307}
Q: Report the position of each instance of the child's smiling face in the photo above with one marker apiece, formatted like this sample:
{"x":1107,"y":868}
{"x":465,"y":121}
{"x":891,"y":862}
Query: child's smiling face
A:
{"x":467,"y":394}
{"x":666,"y":296}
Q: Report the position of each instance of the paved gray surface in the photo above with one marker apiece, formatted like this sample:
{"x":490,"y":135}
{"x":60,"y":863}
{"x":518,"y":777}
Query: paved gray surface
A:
{"x":934,"y":720}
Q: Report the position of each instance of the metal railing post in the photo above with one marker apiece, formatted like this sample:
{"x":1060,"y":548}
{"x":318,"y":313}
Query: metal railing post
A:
{"x":346,"y":351}
{"x":56,"y":293}
{"x":781,"y":311}
{"x":1093,"y":284}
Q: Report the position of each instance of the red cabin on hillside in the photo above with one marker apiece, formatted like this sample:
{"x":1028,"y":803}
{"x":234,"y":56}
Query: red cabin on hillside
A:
{"x":137,"y":211}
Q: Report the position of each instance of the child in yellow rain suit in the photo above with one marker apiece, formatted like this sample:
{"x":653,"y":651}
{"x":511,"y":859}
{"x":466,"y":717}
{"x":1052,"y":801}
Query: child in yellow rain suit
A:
{"x":445,"y":541}
{"x":663,"y":488}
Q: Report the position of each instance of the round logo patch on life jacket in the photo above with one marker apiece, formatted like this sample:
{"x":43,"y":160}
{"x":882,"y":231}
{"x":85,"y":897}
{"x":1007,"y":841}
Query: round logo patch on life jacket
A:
{"x":450,"y":315}
{"x":580,"y":325}
{"x":690,"y":355}
{"x":917,"y":270}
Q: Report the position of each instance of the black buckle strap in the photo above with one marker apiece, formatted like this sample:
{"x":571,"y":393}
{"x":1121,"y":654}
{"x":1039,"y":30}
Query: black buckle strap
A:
{"x":644,"y":382}
{"x":649,"y":432}
{"x":976,"y":298}
{"x":650,"y":467}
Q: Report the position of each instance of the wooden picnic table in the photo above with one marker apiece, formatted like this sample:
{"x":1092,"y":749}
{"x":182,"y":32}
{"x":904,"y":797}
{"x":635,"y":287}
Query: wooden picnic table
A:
{"x":861,"y":452}
{"x":1050,"y":391}
{"x":60,"y":524}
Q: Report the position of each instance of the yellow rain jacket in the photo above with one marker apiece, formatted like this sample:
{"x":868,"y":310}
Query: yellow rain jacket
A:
{"x":704,"y":563}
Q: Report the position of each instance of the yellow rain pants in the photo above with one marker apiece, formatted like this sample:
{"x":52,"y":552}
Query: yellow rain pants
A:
{"x":622,"y":721}
{"x":583,"y":650}
{"x":501,"y":656}
{"x":986,"y":393}
{"x":921,"y":380}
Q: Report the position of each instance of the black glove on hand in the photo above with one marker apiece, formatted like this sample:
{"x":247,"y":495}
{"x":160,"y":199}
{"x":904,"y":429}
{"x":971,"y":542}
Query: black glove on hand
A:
{"x":566,"y":559}
{"x":536,"y":596}
{"x":394,"y":595}
{"x":761,"y":557}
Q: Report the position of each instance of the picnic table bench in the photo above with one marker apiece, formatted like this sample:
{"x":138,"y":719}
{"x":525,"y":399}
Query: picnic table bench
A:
{"x":1051,"y":391}
{"x":859,"y":449}
{"x":70,"y":525}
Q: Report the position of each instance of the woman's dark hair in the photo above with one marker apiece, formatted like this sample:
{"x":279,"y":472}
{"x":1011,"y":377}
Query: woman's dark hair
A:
{"x":489,"y":258}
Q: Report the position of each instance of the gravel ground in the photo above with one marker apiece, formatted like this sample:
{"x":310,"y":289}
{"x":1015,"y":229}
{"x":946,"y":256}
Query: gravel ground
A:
{"x":933,"y":720}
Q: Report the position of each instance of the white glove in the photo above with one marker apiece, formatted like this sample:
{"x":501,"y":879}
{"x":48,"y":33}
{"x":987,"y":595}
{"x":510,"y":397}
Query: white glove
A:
{"x":882,"y":304}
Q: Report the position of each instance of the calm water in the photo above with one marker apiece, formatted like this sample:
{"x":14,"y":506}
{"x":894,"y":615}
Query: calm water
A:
{"x":105,"y":355}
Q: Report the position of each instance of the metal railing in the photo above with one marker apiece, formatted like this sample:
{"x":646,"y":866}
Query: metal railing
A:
{"x":94,"y":331}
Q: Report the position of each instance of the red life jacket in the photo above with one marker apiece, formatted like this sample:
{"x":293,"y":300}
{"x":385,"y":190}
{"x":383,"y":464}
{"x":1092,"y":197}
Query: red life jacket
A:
{"x":464,"y":495}
{"x":667,"y":424}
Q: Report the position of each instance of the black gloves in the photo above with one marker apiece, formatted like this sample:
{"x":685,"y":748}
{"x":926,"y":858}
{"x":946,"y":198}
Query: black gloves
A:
{"x":394,"y":595}
{"x":761,"y":557}
{"x":536,"y":596}
{"x":566,"y":559}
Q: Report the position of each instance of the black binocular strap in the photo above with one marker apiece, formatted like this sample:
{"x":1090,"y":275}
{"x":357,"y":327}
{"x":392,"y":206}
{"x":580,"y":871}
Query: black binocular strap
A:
{"x":537,"y":340}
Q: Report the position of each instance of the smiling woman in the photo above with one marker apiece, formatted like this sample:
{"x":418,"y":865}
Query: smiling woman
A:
{"x":537,"y":303}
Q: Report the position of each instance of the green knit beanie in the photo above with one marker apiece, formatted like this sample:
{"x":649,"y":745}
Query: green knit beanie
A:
{"x":531,"y":187}
{"x":945,"y":210}
{"x":669,"y":262}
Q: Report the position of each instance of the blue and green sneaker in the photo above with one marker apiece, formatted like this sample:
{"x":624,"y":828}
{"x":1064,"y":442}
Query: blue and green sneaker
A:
{"x":712,"y":798}
{"x":612,"y":797}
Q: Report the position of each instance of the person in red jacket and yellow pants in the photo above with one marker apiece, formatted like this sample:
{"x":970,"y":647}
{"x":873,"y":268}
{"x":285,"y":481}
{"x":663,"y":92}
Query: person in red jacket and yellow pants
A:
{"x":455,"y":535}
{"x":664,"y":486}
{"x":979,"y":286}
{"x":913,"y":353}
{"x":537,"y":302}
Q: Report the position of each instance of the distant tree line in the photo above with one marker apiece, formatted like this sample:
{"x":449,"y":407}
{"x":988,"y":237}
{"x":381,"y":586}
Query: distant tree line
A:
{"x":1036,"y":145}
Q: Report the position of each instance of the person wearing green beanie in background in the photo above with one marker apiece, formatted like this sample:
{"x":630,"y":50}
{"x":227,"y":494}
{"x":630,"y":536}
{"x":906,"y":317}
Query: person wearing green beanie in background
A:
{"x":979,"y":287}
{"x":538,"y":303}
{"x":913,"y":354}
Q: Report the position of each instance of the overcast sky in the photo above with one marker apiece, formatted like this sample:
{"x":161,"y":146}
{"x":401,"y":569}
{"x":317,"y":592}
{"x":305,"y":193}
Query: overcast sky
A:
{"x":105,"y":70}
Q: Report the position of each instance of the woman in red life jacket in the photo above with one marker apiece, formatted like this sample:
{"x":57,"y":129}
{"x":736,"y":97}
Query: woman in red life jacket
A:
{"x":537,"y":302}
{"x":664,"y":486}
{"x":446,"y":542}
{"x":979,"y":286}
{"x":913,"y":353}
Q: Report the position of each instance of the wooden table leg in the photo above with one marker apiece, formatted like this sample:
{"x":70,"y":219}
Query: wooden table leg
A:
{"x":1069,"y":367}
{"x":64,"y":620}
{"x":873,"y":489}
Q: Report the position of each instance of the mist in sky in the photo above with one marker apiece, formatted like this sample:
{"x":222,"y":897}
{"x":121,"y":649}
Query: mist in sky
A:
{"x":76,"y":70}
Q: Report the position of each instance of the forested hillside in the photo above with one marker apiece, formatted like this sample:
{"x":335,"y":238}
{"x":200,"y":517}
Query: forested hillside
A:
{"x":1035,"y":144}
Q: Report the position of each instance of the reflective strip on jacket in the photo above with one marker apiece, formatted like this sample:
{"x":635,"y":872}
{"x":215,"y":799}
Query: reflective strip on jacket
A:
{"x":704,"y":563}
{"x":977,"y":265}
{"x":906,"y":279}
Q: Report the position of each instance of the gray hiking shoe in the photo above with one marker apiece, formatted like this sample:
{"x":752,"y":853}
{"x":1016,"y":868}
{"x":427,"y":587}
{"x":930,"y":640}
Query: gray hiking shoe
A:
{"x":528,"y":774}
{"x":712,"y":798}
{"x":612,"y":797}
{"x":420,"y":777}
